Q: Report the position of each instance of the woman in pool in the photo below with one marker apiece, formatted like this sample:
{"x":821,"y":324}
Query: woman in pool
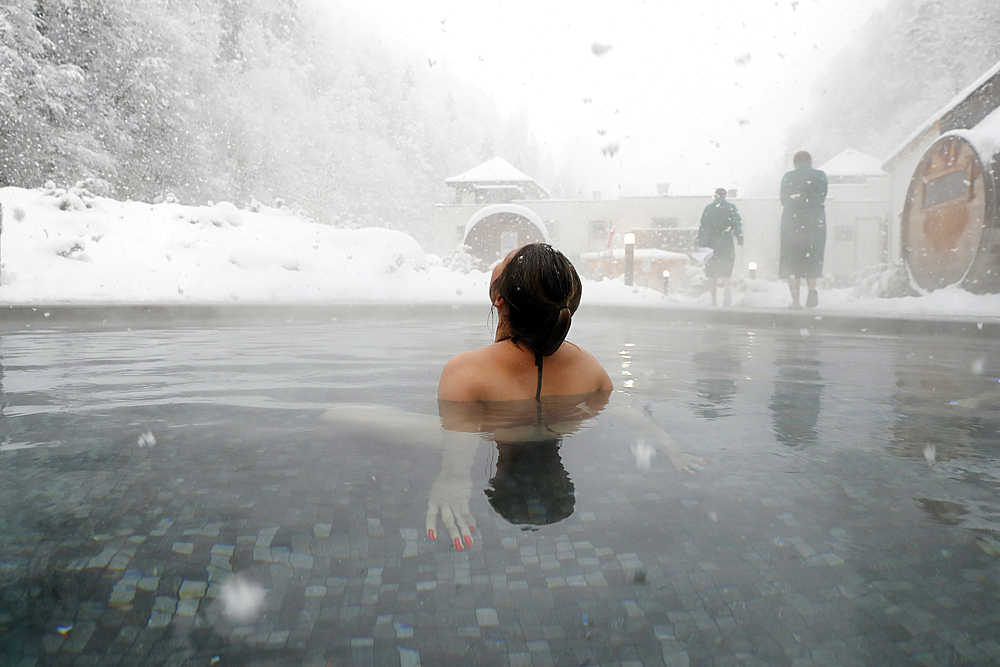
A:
{"x":498,"y":391}
{"x":524,"y":393}
{"x":535,"y":291}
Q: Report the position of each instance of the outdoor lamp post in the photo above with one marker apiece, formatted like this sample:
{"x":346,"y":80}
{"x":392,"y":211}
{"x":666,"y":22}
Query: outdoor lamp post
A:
{"x":629,"y":258}
{"x":753,"y":269}
{"x":666,"y":281}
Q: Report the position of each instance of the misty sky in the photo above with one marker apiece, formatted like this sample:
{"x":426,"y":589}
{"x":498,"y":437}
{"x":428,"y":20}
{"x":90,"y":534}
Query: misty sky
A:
{"x":696,"y":94}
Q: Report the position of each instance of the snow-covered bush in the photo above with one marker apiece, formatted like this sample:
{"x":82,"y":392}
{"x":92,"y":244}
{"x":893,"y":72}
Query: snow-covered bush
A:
{"x":885,"y":281}
{"x":461,"y":260}
{"x":96,"y":187}
{"x":71,"y":199}
{"x":166,"y":198}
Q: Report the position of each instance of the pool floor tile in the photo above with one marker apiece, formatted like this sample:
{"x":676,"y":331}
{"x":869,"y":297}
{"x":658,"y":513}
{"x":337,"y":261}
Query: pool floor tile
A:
{"x":818,"y":554}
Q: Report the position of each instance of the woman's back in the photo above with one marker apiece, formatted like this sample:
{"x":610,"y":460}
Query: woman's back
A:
{"x":508,"y":372}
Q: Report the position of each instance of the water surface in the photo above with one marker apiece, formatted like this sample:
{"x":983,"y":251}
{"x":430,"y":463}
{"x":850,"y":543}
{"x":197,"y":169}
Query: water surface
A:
{"x":847,"y":513}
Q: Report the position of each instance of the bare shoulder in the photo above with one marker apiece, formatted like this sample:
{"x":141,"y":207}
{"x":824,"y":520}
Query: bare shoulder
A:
{"x":585,"y":360}
{"x":454,"y":382}
{"x":463,"y":375}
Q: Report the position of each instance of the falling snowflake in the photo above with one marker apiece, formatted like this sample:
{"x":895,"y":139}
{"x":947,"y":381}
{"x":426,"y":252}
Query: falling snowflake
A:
{"x":643,"y":454}
{"x":599,"y":49}
{"x":242,"y":599}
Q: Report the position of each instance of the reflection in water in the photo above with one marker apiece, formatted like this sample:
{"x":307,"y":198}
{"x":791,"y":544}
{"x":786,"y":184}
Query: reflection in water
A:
{"x":951,"y":417}
{"x":931,"y":419}
{"x":3,"y":396}
{"x":718,"y":366}
{"x":531,"y":487}
{"x":798,"y":386}
{"x":5,"y":427}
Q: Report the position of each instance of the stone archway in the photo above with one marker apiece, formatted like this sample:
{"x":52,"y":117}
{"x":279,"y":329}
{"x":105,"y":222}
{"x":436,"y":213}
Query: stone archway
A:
{"x":496,"y":230}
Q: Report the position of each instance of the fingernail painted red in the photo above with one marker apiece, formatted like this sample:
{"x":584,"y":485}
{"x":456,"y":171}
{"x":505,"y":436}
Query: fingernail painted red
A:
{"x":430,"y":534}
{"x":468,"y":541}
{"x":458,"y":545}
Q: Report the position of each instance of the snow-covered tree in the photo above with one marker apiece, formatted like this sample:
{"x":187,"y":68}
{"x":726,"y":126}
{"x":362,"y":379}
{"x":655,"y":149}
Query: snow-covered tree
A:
{"x":911,"y":58}
{"x":236,"y":100}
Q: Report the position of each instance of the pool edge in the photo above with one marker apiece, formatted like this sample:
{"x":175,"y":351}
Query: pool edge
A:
{"x":18,"y":317}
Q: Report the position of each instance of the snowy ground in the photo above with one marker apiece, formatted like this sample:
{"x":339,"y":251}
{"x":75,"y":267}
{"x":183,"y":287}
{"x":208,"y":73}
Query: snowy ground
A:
{"x":60,"y":246}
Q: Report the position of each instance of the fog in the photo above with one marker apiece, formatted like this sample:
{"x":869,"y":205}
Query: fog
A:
{"x":356,"y":112}
{"x":696,"y":95}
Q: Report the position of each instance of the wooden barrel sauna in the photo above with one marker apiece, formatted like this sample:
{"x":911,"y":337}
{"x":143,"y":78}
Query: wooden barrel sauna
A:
{"x":950,"y":223}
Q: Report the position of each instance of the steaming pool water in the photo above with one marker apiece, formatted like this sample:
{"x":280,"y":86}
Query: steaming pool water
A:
{"x":171,"y":496}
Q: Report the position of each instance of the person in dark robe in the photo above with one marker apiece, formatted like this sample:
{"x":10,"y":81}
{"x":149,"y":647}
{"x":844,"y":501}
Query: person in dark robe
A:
{"x":720,"y":223}
{"x":803,"y":228}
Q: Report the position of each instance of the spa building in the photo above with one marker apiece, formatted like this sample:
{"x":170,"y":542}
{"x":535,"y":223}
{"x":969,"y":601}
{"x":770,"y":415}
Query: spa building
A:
{"x":497,"y":207}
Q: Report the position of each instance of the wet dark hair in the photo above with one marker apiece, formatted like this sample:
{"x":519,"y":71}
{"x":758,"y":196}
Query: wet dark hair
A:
{"x":531,"y":487}
{"x":720,"y":192}
{"x":542,"y":290}
{"x":801,"y":158}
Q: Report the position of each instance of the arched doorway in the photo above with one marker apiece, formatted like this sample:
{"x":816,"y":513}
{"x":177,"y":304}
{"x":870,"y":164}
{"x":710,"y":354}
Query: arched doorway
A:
{"x":496,"y":230}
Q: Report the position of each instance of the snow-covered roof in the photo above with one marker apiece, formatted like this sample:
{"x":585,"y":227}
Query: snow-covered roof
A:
{"x":850,"y":162}
{"x":936,"y":117}
{"x":984,"y":137}
{"x":496,"y":170}
{"x":498,"y":173}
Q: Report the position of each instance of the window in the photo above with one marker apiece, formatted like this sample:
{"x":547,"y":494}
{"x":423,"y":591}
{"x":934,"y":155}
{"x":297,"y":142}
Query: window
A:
{"x":599,"y":230}
{"x":508,"y":241}
{"x":947,"y":187}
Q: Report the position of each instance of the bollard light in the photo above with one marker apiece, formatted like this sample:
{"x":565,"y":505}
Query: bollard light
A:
{"x":629,"y":258}
{"x":666,"y":281}
{"x":753,"y":269}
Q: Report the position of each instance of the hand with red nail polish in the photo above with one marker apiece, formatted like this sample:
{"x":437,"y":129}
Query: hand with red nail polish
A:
{"x":449,"y":497}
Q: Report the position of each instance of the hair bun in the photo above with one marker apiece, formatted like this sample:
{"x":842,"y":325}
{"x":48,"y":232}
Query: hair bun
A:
{"x":560,"y":327}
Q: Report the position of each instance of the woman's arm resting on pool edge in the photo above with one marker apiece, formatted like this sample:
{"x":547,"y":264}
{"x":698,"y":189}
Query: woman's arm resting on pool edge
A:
{"x":452,"y":491}
{"x":629,"y":416}
{"x":375,"y":421}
